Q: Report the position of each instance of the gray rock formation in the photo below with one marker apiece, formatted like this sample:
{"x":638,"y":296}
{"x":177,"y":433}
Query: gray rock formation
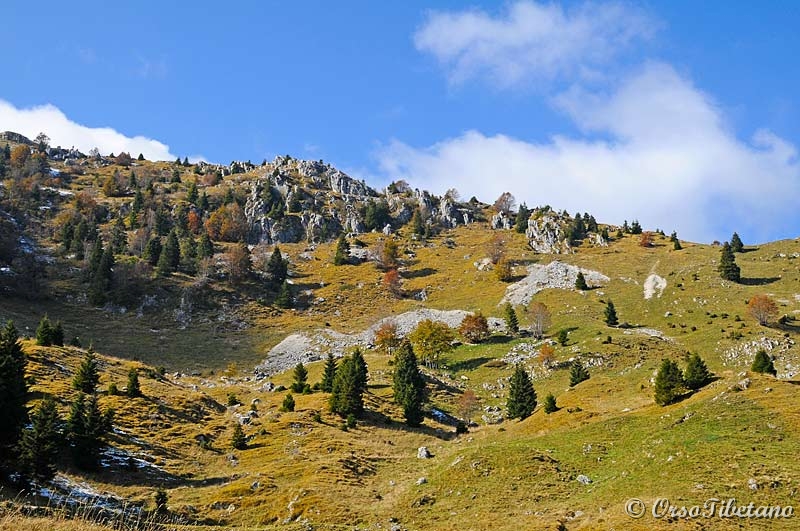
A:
{"x":546,"y":234}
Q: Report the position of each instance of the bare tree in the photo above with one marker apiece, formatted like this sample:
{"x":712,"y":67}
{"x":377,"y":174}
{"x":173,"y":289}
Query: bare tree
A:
{"x":540,"y":319}
{"x":505,"y":203}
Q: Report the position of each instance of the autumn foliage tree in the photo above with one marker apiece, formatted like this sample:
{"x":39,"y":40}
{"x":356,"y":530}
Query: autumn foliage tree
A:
{"x":227,"y":223}
{"x":430,"y":339}
{"x":391,"y":282}
{"x":762,"y":309}
{"x":474,"y":327}
{"x":646,"y":239}
{"x":496,"y":248}
{"x":547,"y":355}
{"x":387,"y":338}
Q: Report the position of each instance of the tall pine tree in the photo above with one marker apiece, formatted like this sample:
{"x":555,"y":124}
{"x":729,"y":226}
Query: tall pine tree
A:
{"x":521,"y":395}
{"x":697,"y":374}
{"x":736,"y":243}
{"x":347,"y":396}
{"x":728,"y":269}
{"x":610,"y":314}
{"x":669,"y":383}
{"x":13,"y":388}
{"x":408,"y":385}
{"x":328,"y":374}
{"x":342,"y":251}
{"x":40,"y":444}
{"x":512,"y":323}
{"x":88,"y":375}
{"x":577,"y":373}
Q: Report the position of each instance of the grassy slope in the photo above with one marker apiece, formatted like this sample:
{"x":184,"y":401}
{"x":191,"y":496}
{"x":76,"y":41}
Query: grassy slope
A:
{"x":499,"y":477}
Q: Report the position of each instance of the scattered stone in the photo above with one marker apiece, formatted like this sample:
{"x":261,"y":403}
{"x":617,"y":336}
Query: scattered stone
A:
{"x":583,"y":479}
{"x":423,"y":453}
{"x":422,"y":481}
{"x":752,"y":484}
{"x":654,"y":285}
{"x":555,"y":275}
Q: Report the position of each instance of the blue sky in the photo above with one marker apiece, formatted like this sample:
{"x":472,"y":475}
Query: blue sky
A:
{"x":680,"y":114}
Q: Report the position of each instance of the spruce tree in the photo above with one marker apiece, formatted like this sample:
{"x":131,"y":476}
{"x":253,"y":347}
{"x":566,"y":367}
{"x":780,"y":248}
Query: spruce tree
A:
{"x":238,"y":440}
{"x":697,"y":374}
{"x":191,"y":193}
{"x":577,"y":373}
{"x":328,"y":374}
{"x":669,"y":383}
{"x":521,"y":395}
{"x":86,"y":427}
{"x":119,"y":238}
{"x":44,"y":332}
{"x":58,"y":334}
{"x":521,"y":221}
{"x":347,"y":393}
{"x":284,"y":297}
{"x":417,"y":223}
{"x":103,"y":278}
{"x":580,"y":282}
{"x":205,"y":249}
{"x":204,"y":205}
{"x":13,"y":387}
{"x":728,"y":269}
{"x":88,"y":375}
{"x":39,"y":445}
{"x":342,"y":251}
{"x":736,"y":243}
{"x":134,"y":390}
{"x":550,"y":404}
{"x":152,"y":251}
{"x":360,"y":365}
{"x":676,"y":243}
{"x":288,"y":403}
{"x":611,"y":314}
{"x":408,"y":385}
{"x":277,"y":267}
{"x":512,"y":323}
{"x":170,"y":257}
{"x":763,"y":363}
{"x":95,"y":258}
{"x":300,"y":383}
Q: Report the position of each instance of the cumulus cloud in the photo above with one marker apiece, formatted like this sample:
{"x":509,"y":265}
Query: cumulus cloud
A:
{"x":661,"y":152}
{"x":531,"y":41}
{"x":66,"y":133}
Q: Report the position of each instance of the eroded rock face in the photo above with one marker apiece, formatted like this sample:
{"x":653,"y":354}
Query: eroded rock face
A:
{"x":547,"y":234}
{"x":502,"y":220}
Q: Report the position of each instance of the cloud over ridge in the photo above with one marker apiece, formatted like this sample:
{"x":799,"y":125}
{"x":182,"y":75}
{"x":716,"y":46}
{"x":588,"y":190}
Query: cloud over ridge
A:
{"x":66,"y":133}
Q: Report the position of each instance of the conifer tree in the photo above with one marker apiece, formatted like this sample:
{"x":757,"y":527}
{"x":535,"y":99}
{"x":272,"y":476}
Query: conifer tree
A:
{"x":361,"y":370}
{"x":13,"y":387}
{"x":763,"y":363}
{"x":328,"y":374}
{"x":204,"y":205}
{"x":669,"y":383}
{"x":134,"y":389}
{"x":277,"y":267}
{"x":697,"y":374}
{"x":736,"y":243}
{"x":88,"y":375}
{"x":512,"y":323}
{"x":44,"y":332}
{"x":170,"y":257}
{"x":521,"y":395}
{"x":205,"y":249}
{"x":347,"y":396}
{"x":676,"y":243}
{"x":39,"y":445}
{"x":284,"y":298}
{"x":408,"y":385}
{"x":300,"y":383}
{"x":86,"y":427}
{"x":152,"y":251}
{"x":191,"y":193}
{"x":95,"y":258}
{"x":577,"y":373}
{"x":58,"y":334}
{"x":417,"y":223}
{"x":238,"y":440}
{"x":611,"y":314}
{"x":119,"y":238}
{"x":342,"y":251}
{"x":521,"y":221}
{"x":288,"y":403}
{"x":580,"y":282}
{"x":550,"y":404}
{"x":103,"y":278}
{"x":728,"y":269}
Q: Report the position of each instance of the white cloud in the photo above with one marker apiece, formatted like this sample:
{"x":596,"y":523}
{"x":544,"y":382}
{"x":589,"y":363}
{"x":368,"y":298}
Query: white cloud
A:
{"x":531,"y":41}
{"x":66,"y":133}
{"x":668,"y":158}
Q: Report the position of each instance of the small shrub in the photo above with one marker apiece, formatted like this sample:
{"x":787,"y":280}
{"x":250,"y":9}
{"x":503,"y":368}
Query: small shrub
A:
{"x":288,"y":403}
